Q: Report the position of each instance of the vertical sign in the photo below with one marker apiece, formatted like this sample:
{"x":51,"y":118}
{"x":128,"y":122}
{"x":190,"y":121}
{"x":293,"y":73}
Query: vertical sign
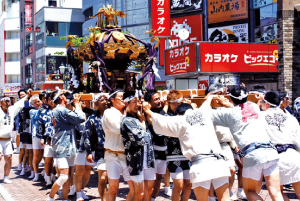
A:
{"x":28,"y":13}
{"x":161,"y":18}
{"x":191,"y":23}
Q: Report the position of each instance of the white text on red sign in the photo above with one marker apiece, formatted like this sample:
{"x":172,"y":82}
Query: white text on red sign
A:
{"x":179,"y":52}
{"x":161,"y":20}
{"x":248,"y":59}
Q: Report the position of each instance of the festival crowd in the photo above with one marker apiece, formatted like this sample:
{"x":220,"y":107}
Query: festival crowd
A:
{"x":147,"y":138}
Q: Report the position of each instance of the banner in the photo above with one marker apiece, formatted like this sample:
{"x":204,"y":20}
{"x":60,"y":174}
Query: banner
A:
{"x":225,"y":10}
{"x":191,"y":23}
{"x":180,"y":60}
{"x":238,"y":57}
{"x":11,"y":90}
{"x":28,"y":19}
{"x":161,"y":17}
{"x":183,"y":6}
{"x":224,"y":79}
{"x":233,"y":33}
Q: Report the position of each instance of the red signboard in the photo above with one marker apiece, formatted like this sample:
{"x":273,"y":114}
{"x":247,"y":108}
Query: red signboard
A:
{"x":237,"y":57}
{"x":28,"y":29}
{"x":11,"y":94}
{"x":180,"y":60}
{"x":28,"y":19}
{"x":192,"y":23}
{"x":30,"y":49}
{"x":38,"y":30}
{"x":161,"y":17}
{"x":202,"y":84}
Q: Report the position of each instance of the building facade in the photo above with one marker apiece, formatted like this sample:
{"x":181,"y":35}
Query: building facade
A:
{"x":289,"y":46}
{"x":53,"y":22}
{"x":9,"y":45}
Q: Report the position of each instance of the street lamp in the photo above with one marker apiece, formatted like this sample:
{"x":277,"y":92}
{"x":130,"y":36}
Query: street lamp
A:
{"x":62,"y":70}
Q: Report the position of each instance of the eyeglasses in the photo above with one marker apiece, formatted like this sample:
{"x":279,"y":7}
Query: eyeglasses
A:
{"x":261,"y":102}
{"x":286,"y":98}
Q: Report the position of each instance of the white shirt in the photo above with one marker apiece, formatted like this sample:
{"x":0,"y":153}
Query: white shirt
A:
{"x":247,"y":126}
{"x":7,"y":119}
{"x":283,"y":128}
{"x":196,"y":133}
{"x":112,"y":129}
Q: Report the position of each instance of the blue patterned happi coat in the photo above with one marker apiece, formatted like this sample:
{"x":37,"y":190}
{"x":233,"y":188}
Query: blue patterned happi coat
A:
{"x":64,"y":141}
{"x":94,"y":136}
{"x":135,"y":137}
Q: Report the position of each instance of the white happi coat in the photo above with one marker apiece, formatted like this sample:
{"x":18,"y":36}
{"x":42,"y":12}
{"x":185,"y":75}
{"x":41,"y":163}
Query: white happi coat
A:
{"x":247,"y":126}
{"x":7,"y":119}
{"x":284,"y":128}
{"x":224,"y":136}
{"x":112,"y":128}
{"x":196,"y":133}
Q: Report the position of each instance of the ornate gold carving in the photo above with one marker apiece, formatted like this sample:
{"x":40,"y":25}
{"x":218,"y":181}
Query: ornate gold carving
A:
{"x":110,"y":15}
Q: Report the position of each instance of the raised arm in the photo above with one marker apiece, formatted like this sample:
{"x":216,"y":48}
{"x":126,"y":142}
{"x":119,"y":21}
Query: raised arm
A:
{"x":166,"y":125}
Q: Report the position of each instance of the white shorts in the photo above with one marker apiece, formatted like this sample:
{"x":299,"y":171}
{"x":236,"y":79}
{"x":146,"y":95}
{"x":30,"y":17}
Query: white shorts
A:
{"x":6,"y":148}
{"x":115,"y":168}
{"x":218,"y":182}
{"x":48,"y":151}
{"x":22,"y":146}
{"x":226,"y":151}
{"x":147,"y":175}
{"x":36,"y":143}
{"x":80,"y":159}
{"x":267,"y":169}
{"x":289,"y":167}
{"x":161,"y":166}
{"x":185,"y":174}
{"x":64,"y":163}
{"x":101,"y":166}
{"x":28,"y":146}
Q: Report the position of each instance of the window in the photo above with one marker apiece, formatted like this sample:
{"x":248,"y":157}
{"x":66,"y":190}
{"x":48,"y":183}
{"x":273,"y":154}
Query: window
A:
{"x":265,"y":26}
{"x":74,"y":28}
{"x":52,"y":3}
{"x":28,"y":44}
{"x":52,"y":28}
{"x":40,"y":36}
{"x":266,"y":34}
{"x":28,"y":74}
{"x":87,"y":13}
{"x":21,"y":21}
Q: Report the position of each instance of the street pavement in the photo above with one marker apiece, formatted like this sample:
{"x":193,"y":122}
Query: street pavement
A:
{"x":23,"y":189}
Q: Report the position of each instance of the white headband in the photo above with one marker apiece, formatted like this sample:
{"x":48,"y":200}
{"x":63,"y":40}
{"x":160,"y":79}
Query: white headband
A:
{"x":137,"y":94}
{"x":242,"y":96}
{"x":272,"y":103}
{"x":57,"y":95}
{"x":4,"y":99}
{"x":114,"y":93}
{"x":98,"y":96}
{"x":179,"y":100}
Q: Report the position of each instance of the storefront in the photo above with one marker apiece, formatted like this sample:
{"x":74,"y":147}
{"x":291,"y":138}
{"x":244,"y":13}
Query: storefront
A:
{"x":205,"y":63}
